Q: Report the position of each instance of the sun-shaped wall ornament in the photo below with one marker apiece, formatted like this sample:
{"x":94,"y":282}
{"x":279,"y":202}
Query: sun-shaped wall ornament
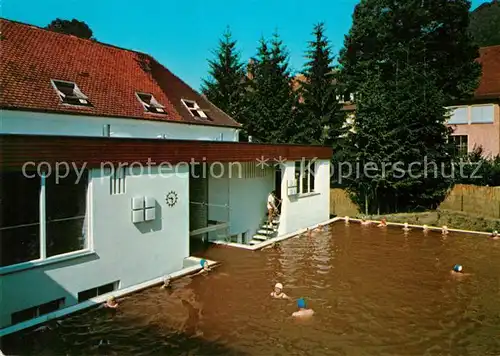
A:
{"x":171,"y":198}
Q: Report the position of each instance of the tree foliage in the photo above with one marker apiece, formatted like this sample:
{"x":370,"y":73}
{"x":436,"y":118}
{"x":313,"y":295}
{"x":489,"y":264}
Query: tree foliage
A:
{"x":73,"y":27}
{"x":226,"y":85}
{"x":320,"y":119}
{"x":485,"y":24}
{"x":406,"y":61}
{"x":271,"y":101}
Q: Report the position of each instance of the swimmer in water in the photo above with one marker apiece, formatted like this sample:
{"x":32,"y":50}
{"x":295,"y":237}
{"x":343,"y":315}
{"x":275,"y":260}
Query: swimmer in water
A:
{"x":405,"y":227}
{"x":273,"y":245}
{"x":204,"y":264}
{"x":458,"y":271}
{"x":365,"y":222}
{"x":494,"y":235}
{"x":383,"y":223}
{"x":444,"y":230}
{"x":111,"y":303}
{"x":278,"y":292}
{"x":167,"y":283}
{"x":303,"y":312}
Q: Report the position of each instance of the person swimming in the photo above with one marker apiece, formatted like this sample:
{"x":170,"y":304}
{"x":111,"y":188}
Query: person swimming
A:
{"x":383,"y":223}
{"x":444,"y":230}
{"x":273,"y":245}
{"x":458,"y":271}
{"x":278,"y":292}
{"x":405,"y":227}
{"x":167,"y":282}
{"x":365,"y":222}
{"x":494,"y":235}
{"x":111,"y":303}
{"x":205,"y":267}
{"x":303,"y":312}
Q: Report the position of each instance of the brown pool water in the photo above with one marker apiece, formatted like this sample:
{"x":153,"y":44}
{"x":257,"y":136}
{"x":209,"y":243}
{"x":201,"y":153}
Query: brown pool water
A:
{"x":375,"y":292}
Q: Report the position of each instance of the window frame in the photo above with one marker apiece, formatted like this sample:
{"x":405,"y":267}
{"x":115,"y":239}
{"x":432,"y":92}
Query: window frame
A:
{"x":459,"y":147}
{"x":153,"y":104}
{"x":305,"y":175}
{"x":79,"y":93}
{"x":42,"y":221}
{"x":201,"y":113}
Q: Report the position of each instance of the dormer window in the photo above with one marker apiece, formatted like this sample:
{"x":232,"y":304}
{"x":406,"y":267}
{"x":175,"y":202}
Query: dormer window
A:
{"x":69,"y":93}
{"x":195,"y":109}
{"x":150,"y":103}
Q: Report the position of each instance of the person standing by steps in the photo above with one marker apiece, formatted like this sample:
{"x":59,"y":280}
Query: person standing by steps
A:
{"x":272,"y":208}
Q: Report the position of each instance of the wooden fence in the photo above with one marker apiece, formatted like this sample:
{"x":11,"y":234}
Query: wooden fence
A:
{"x":341,"y":204}
{"x":470,"y":199}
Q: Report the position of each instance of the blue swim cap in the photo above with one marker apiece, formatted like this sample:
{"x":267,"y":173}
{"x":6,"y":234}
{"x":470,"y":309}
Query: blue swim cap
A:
{"x":202,"y":262}
{"x":457,"y":268}
{"x":301,"y":303}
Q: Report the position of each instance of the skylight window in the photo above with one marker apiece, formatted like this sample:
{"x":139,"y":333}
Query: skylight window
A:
{"x":195,"y":109}
{"x":150,"y":103}
{"x":69,"y":93}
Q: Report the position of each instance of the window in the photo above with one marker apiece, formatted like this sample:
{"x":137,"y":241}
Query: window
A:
{"x":458,"y":115}
{"x":19,"y":218}
{"x":461,"y":144}
{"x":26,"y":199}
{"x":305,"y":174}
{"x":150,"y":103}
{"x":117,"y":181}
{"x":65,"y":211}
{"x":195,"y":109}
{"x":69,"y":93}
{"x":482,"y":114}
{"x":94,"y":292}
{"x":37,"y":311}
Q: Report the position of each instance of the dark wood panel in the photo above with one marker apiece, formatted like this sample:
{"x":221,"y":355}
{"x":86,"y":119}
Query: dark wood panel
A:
{"x":16,"y":150}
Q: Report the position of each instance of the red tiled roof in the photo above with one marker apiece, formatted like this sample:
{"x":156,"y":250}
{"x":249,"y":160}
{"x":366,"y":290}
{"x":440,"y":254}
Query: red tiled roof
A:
{"x":489,"y":87}
{"x":107,"y":75}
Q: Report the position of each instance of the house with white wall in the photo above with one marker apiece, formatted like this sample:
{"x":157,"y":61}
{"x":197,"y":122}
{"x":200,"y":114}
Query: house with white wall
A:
{"x":110,"y":163}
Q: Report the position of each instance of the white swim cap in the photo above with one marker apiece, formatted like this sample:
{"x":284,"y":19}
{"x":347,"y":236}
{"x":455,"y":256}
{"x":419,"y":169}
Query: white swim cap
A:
{"x":278,"y":285}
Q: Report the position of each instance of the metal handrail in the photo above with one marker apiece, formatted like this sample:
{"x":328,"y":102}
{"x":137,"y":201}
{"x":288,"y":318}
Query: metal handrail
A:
{"x":208,"y":204}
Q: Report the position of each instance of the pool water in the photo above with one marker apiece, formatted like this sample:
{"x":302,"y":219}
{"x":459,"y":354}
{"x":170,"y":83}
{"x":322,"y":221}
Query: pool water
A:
{"x":375,"y":292}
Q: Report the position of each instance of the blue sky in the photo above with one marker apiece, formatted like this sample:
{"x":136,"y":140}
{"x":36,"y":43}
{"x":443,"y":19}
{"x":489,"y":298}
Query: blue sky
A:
{"x":182,"y":34}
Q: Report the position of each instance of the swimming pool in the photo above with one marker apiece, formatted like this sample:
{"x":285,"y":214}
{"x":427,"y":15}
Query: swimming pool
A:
{"x":375,"y":292}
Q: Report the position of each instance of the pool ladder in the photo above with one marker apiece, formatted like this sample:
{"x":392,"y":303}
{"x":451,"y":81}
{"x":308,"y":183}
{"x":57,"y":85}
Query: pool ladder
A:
{"x":266,"y":231}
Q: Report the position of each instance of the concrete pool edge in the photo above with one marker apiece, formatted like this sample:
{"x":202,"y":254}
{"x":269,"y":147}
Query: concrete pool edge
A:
{"x":430,"y":228}
{"x":99,"y":300}
{"x":275,"y":239}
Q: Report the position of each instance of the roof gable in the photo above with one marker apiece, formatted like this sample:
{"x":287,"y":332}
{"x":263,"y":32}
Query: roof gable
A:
{"x":107,"y":75}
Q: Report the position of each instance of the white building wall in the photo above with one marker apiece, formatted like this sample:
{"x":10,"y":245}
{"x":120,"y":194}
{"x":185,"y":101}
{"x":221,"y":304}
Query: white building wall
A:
{"x":32,"y":123}
{"x":130,"y":253}
{"x":301,"y":211}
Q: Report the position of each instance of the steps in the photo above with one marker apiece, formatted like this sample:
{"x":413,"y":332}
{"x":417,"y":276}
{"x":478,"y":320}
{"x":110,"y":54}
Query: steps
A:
{"x":265,"y":232}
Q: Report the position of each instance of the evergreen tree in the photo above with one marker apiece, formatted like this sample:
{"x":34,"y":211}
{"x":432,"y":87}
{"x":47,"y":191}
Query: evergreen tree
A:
{"x":321,"y":121}
{"x":226,"y":85}
{"x":272,"y":102}
{"x":406,"y":61}
{"x":485,"y":24}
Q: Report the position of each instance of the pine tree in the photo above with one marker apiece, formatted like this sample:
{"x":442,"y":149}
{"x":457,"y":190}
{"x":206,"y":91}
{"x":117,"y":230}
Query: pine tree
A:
{"x":226,"y":85}
{"x":406,"y":61}
{"x":321,"y":121}
{"x":272,"y":102}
